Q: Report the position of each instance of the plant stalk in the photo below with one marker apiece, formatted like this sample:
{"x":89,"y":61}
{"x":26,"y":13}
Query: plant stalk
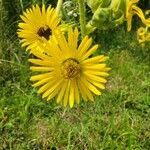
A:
{"x":82,"y":17}
{"x":21,"y":4}
{"x":43,"y":2}
{"x":59,"y":7}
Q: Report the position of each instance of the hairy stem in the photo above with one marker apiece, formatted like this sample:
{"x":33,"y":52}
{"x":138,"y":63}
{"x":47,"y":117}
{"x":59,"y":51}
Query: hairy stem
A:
{"x":59,"y":6}
{"x":43,"y":1}
{"x":21,"y":4}
{"x":82,"y":17}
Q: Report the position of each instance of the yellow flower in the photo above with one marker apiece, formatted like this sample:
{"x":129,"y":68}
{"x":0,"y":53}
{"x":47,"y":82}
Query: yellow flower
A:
{"x":131,"y":10}
{"x":143,"y":34}
{"x":38,"y":25}
{"x":67,"y":72}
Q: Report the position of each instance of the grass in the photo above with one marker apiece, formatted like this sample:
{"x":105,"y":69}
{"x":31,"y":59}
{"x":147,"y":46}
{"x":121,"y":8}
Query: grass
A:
{"x":116,"y":120}
{"x":119,"y":119}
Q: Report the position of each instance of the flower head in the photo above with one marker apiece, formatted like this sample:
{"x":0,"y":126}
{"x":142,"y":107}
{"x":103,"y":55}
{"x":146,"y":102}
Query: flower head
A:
{"x":38,"y":25}
{"x":67,"y":72}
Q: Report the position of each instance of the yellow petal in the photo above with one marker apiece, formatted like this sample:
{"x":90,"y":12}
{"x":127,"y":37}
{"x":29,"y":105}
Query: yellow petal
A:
{"x":95,"y":59}
{"x":91,"y":87}
{"x":71,"y":96}
{"x":41,"y":56}
{"x":41,"y":76}
{"x":62,"y":92}
{"x":94,"y":67}
{"x":67,"y":92}
{"x":51,"y":89}
{"x":98,"y":73}
{"x":41,"y":62}
{"x":41,"y":82}
{"x":85,"y":47}
{"x":97,"y":84}
{"x":54,"y":93}
{"x":83,"y":42}
{"x":82,"y":90}
{"x":85,"y":91}
{"x":95,"y":78}
{"x":41,"y":68}
{"x":77,"y":95}
{"x":47,"y":86}
{"x":89,"y":52}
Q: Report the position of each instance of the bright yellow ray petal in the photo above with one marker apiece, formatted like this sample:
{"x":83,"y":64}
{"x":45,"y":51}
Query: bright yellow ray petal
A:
{"x":77,"y":95}
{"x":82,"y":90}
{"x":71,"y":95}
{"x":91,"y":87}
{"x":41,"y":56}
{"x":49,"y":14}
{"x":95,"y":78}
{"x":41,"y":62}
{"x":53,"y":49}
{"x":54,"y":93}
{"x":97,"y":67}
{"x":47,"y":86}
{"x":70,"y":38}
{"x":41,"y":76}
{"x":85,"y":91}
{"x":62,"y":92}
{"x":98,"y":73}
{"x":54,"y":15}
{"x":95,"y":83}
{"x":43,"y":81}
{"x":43,"y":10}
{"x":66,"y":96}
{"x":25,"y":19}
{"x":89,"y":94}
{"x":84,"y":41}
{"x":89,"y":52}
{"x":41,"y":68}
{"x":95,"y":59}
{"x":51,"y":89}
{"x":84,"y":48}
{"x":73,"y":38}
{"x":76,"y":34}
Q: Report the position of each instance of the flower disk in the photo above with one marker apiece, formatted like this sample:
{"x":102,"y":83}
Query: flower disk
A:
{"x":67,"y":72}
{"x":38,"y":25}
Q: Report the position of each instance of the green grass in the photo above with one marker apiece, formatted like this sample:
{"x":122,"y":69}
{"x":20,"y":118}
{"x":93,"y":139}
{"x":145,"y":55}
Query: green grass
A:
{"x":117,"y":120}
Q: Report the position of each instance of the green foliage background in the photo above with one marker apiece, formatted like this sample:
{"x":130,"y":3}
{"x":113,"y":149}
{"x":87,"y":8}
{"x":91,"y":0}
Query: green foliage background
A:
{"x":119,"y":119}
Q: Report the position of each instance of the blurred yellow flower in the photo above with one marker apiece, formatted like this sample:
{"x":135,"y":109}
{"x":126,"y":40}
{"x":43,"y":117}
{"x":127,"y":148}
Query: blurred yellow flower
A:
{"x":67,"y":72}
{"x":131,"y":10}
{"x":38,"y":25}
{"x":143,"y":34}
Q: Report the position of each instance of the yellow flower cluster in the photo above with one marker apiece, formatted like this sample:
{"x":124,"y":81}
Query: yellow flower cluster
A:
{"x":65,"y":68}
{"x":143,"y":34}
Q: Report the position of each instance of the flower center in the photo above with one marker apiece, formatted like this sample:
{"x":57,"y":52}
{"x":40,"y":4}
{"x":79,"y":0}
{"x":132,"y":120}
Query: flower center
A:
{"x":45,"y":32}
{"x":70,"y":68}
